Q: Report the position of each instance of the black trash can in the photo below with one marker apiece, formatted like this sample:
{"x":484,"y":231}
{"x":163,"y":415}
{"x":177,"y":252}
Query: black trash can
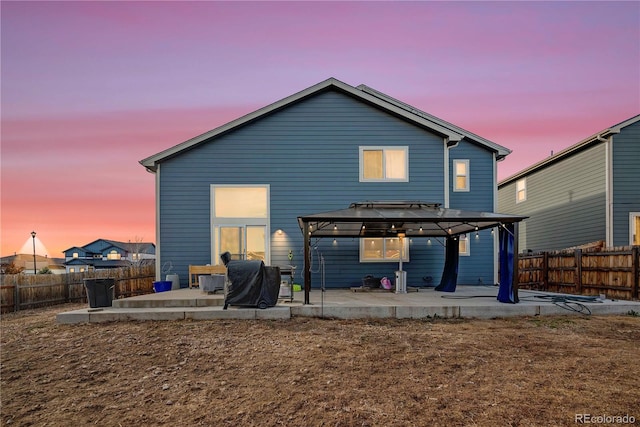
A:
{"x":99,"y":292}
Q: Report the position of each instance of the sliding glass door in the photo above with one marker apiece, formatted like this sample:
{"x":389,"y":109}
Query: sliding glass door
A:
{"x":246,"y":242}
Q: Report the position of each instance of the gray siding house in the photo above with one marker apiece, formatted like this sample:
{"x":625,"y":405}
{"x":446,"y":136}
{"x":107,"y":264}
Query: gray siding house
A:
{"x":586,"y":193}
{"x":241,"y":186}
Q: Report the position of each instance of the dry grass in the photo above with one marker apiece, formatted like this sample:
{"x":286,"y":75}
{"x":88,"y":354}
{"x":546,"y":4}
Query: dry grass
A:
{"x":312,"y":372}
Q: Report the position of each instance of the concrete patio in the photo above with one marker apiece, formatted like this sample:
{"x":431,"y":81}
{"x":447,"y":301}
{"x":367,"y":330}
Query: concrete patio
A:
{"x":466,"y":302}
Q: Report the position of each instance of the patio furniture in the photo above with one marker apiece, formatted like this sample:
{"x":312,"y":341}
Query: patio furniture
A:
{"x":195,"y":270}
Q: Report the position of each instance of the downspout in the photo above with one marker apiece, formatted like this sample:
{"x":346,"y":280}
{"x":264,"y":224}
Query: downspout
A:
{"x":496,"y":247}
{"x":608,"y":149}
{"x":448,"y":144}
{"x":158,"y":246}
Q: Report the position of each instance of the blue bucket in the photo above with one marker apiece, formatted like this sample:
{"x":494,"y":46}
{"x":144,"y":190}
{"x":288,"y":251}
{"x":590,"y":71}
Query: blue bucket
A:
{"x":162,"y":286}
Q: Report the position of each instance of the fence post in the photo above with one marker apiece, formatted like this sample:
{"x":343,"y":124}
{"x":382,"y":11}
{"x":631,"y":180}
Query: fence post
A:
{"x":635,"y":259}
{"x":116,"y":288}
{"x":545,"y":270}
{"x":16,"y":296}
{"x":66,"y":288}
{"x":578,"y":278}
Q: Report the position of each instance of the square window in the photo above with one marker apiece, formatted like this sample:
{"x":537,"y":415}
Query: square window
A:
{"x":384,"y":164}
{"x":387,"y":249}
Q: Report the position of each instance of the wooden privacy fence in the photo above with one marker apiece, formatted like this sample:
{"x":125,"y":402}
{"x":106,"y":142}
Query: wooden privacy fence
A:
{"x":613,"y":272}
{"x":22,"y":291}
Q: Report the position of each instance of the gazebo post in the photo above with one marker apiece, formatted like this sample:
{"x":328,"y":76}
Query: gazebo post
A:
{"x":516,"y":249}
{"x":307,"y":262}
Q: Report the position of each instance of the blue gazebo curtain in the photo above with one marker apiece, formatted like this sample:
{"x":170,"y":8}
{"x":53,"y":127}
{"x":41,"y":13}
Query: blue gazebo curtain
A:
{"x":450,"y":272}
{"x":506,"y":292}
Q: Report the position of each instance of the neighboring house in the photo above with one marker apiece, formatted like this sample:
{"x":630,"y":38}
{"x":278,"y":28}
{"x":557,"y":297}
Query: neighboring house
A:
{"x":241,"y":186}
{"x":586,"y":193}
{"x":102,"y":254}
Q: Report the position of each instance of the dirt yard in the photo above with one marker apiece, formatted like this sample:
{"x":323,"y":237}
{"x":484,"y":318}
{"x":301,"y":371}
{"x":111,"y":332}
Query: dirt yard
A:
{"x":313,"y":372}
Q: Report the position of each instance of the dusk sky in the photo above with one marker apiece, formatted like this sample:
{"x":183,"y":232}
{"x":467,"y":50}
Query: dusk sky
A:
{"x":91,"y":88}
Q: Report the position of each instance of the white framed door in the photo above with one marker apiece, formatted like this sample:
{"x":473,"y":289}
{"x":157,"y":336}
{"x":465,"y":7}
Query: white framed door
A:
{"x":240,"y":222}
{"x":634,"y":228}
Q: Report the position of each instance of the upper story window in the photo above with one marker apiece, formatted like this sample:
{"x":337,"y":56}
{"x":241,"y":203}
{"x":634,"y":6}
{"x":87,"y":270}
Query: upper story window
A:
{"x":381,"y":249}
{"x":521,"y":190}
{"x":113,"y":255}
{"x":461,"y":175}
{"x":75,"y":254}
{"x":379,"y":164}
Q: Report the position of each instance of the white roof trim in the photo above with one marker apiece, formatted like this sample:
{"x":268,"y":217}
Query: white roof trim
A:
{"x":596,"y":138}
{"x":447,"y":130}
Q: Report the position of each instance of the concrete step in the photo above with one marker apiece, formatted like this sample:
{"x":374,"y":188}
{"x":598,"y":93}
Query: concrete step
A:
{"x":171,"y":299}
{"x":110,"y":314}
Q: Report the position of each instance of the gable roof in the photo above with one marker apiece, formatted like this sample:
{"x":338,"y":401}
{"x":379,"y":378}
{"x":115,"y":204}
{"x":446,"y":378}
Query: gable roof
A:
{"x":140,"y":247}
{"x":596,"y":138}
{"x":362,"y":93}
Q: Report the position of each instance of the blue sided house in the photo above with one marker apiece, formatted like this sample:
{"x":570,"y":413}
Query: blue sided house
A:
{"x":340,"y":182}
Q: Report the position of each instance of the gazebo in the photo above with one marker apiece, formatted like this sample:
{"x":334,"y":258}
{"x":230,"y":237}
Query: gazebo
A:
{"x":414,"y":219}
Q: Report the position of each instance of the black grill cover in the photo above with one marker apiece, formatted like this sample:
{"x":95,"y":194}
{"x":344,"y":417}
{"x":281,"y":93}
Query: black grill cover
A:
{"x":251,"y":284}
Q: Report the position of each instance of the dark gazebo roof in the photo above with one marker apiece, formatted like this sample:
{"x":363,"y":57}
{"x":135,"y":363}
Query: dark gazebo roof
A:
{"x":388,"y":218}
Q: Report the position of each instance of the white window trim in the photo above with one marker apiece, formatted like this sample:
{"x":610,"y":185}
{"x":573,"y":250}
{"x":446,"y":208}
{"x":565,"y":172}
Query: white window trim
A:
{"x":632,"y":216}
{"x":216,"y":223}
{"x":524,"y":188}
{"x":405,"y":251}
{"x":455,"y":175}
{"x":383,"y":148}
